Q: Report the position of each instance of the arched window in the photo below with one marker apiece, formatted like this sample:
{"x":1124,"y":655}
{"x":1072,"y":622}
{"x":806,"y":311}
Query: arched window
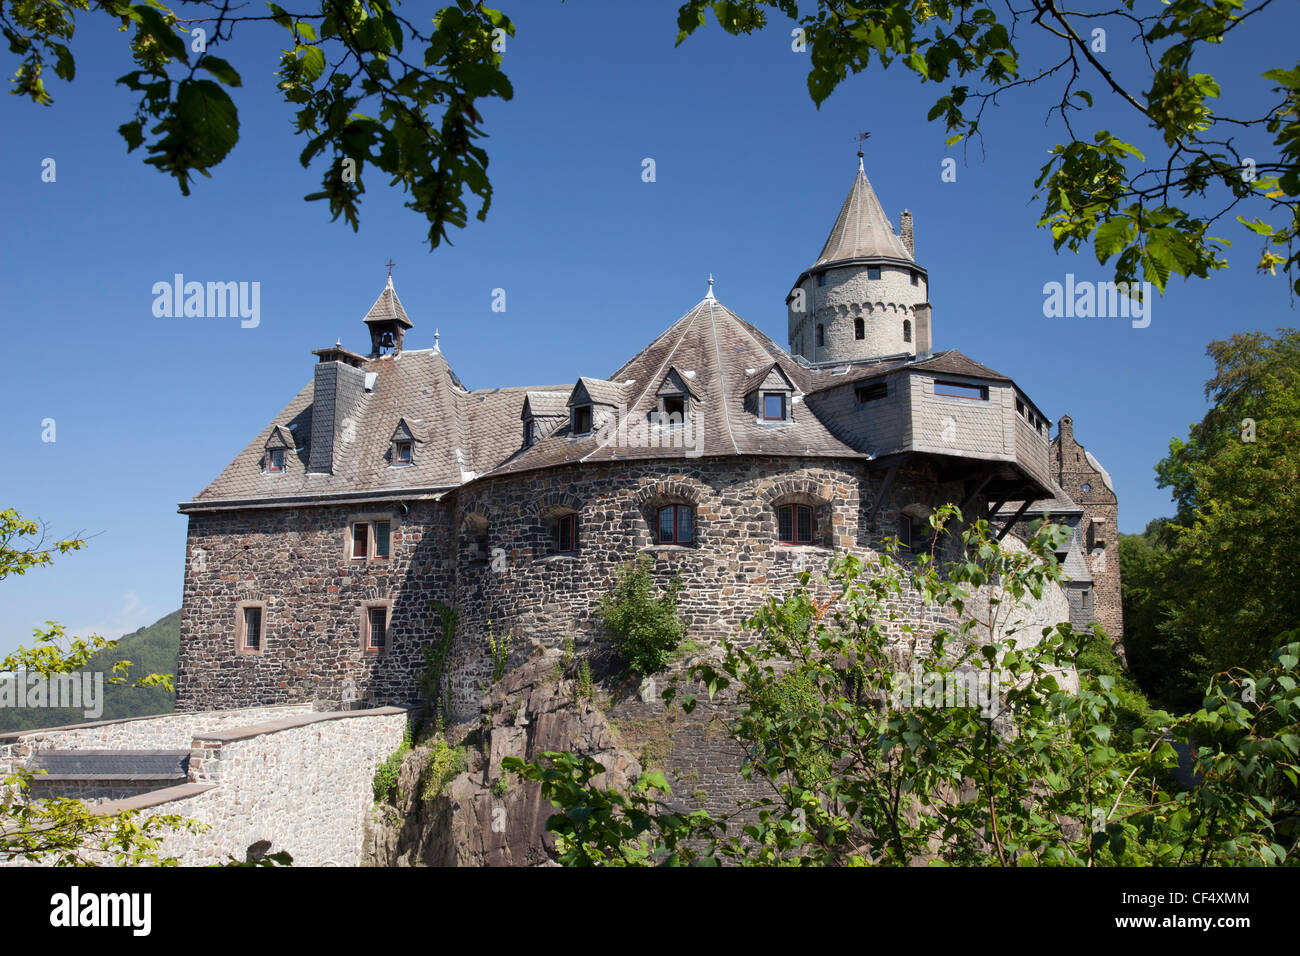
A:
{"x":859,"y":328}
{"x":821,"y":335}
{"x":907,"y":330}
{"x":676,"y":524}
{"x":794,"y":524}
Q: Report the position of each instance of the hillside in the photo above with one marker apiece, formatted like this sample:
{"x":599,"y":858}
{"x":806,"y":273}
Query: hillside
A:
{"x":150,"y":650}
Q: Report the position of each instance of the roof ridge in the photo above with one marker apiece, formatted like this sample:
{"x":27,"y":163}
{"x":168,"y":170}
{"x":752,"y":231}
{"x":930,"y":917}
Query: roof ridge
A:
{"x":722,"y":378}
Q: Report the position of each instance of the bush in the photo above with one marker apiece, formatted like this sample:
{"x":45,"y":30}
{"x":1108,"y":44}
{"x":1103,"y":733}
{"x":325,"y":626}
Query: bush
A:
{"x":644,"y":629}
{"x":386,"y":775}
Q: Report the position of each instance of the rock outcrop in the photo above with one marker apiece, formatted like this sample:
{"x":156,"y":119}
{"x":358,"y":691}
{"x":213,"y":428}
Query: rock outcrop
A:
{"x":484,"y":816}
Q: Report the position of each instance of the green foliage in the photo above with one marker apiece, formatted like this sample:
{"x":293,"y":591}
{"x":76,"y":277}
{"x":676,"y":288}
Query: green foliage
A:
{"x":368,"y":87}
{"x":643,"y":628}
{"x":582,"y":685}
{"x":445,"y":764}
{"x":65,"y":832}
{"x":501,"y":787}
{"x":1218,"y":585}
{"x":150,"y":653}
{"x":1099,"y":187}
{"x":432,"y":684}
{"x":1047,"y":776}
{"x":386,"y":774}
{"x":500,"y":651}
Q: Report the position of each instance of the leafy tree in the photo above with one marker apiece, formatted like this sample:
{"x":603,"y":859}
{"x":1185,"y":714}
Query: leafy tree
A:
{"x":1233,"y":562}
{"x":643,"y":627}
{"x":64,"y":831}
{"x":1040,"y":777}
{"x":370,"y":87}
{"x":374,"y":89}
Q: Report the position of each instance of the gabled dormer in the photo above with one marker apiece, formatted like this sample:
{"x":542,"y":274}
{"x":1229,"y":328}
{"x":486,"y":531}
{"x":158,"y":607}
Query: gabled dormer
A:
{"x":401,"y":448}
{"x":770,"y":395}
{"x":542,"y":413}
{"x":278,"y":446}
{"x":675,"y":399}
{"x":591,"y":402}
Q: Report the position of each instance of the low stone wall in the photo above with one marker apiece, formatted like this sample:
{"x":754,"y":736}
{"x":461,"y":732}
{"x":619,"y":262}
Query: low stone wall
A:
{"x":158,"y":732}
{"x":295,"y":780}
{"x":300,"y":783}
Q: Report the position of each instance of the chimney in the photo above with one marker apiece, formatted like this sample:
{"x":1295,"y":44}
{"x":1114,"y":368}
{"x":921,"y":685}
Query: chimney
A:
{"x":336,"y":394}
{"x":905,"y":233}
{"x":924,"y":345}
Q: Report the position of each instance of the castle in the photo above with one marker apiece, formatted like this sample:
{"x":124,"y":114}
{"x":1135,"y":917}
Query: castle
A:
{"x":316,"y":560}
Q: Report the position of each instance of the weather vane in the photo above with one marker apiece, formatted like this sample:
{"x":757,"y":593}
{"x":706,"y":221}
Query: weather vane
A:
{"x":862,"y":137}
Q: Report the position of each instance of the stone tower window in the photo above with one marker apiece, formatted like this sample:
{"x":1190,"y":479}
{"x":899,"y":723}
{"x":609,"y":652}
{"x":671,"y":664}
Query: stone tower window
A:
{"x":873,"y":272}
{"x":676,"y":524}
{"x":794,"y":524}
{"x":821,"y":335}
{"x":907,"y":330}
{"x":916,"y":278}
{"x":375,"y":627}
{"x":859,"y":328}
{"x":566,"y":534}
{"x":252,"y":630}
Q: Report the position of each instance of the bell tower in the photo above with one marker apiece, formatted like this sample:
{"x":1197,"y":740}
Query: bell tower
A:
{"x":865,"y":297}
{"x":387,"y":320}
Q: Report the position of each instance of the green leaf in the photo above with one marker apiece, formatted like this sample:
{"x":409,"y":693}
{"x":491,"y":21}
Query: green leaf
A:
{"x":222,"y":70}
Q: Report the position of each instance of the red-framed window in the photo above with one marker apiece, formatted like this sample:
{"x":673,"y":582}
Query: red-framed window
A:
{"x":676,"y":524}
{"x":773,"y":407}
{"x":402,"y":452}
{"x":360,"y":541}
{"x":566,"y":534}
{"x":252,"y":628}
{"x":376,"y":628}
{"x":275,"y":459}
{"x":794,"y":524}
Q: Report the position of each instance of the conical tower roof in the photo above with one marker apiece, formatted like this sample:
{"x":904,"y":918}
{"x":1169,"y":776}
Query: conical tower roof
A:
{"x":862,"y":230}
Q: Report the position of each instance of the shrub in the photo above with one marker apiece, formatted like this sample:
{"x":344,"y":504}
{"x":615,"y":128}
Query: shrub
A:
{"x":643,"y":628}
{"x":386,"y":775}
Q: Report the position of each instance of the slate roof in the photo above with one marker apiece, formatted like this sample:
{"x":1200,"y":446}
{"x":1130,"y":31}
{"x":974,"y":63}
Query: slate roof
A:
{"x":862,"y":230}
{"x":720,"y":348}
{"x":1059,"y":505}
{"x":388,"y":307}
{"x":111,"y":764}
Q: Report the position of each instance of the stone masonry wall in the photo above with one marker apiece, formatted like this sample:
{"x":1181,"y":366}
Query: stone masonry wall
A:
{"x":297,"y":563}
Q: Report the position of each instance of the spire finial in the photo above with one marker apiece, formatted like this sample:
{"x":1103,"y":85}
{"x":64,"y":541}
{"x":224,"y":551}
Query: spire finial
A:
{"x":436,"y":346}
{"x":391,"y":263}
{"x":710,"y":293}
{"x":862,"y":137}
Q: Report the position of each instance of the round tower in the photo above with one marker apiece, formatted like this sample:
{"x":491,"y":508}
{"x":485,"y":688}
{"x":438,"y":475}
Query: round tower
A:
{"x":865,"y":297}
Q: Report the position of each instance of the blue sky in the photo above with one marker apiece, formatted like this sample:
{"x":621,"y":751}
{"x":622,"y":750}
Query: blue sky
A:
{"x":594,"y":261}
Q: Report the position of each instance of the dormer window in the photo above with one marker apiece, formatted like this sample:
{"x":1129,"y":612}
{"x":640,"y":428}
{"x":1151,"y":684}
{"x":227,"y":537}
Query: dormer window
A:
{"x":672,"y":410}
{"x":401,"y":446}
{"x":275,"y":459}
{"x":774,"y":407}
{"x":581,"y":419}
{"x":530,"y":433}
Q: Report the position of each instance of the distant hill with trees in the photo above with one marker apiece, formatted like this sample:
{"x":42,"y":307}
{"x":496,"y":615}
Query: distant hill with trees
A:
{"x":151,"y":650}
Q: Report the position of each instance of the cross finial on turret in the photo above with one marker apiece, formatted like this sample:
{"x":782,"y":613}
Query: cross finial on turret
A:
{"x":391,"y":263}
{"x":436,"y":346}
